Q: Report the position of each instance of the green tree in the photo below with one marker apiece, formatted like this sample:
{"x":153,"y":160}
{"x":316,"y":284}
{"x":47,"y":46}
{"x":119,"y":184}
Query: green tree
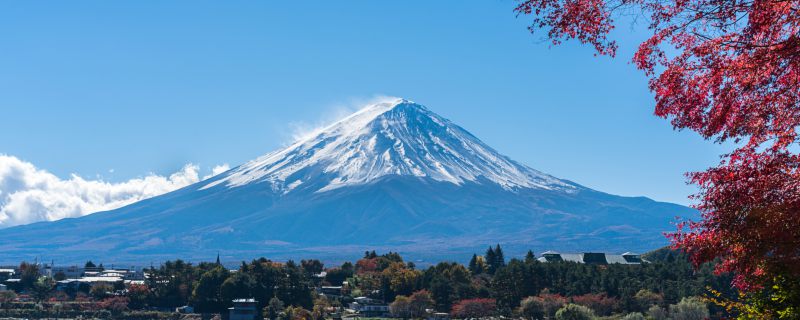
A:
{"x":311,"y":267}
{"x":207,"y":296}
{"x":59,"y":276}
{"x":401,"y":307}
{"x":239,"y":285}
{"x":490,"y":259}
{"x":510,"y":284}
{"x":293,"y":287}
{"x":29,"y":274}
{"x":273,"y":308}
{"x":476,"y":264}
{"x":447,"y":283}
{"x":336,"y":276}
{"x":530,"y":257}
{"x":172,"y":284}
{"x":500,"y":259}
{"x":266,"y":276}
{"x":42,"y":288}
{"x":419,"y":302}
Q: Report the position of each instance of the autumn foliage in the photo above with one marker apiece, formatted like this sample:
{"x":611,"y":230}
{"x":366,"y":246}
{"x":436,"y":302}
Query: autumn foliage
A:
{"x":474,"y":308}
{"x":601,"y":303}
{"x":729,"y":70}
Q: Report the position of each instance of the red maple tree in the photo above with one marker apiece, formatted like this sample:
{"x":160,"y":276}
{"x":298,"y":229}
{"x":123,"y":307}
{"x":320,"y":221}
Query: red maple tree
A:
{"x":474,"y":308}
{"x":729,"y":70}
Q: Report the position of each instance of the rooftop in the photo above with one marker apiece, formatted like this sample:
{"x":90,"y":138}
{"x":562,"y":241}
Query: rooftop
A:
{"x":592,"y":258}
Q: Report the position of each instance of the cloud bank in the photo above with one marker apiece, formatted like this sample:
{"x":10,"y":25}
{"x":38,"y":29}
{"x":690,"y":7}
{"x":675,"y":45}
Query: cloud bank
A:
{"x":29,"y":194}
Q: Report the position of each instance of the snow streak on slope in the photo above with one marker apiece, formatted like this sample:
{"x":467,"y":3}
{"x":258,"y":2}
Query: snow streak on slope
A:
{"x":396,"y":137}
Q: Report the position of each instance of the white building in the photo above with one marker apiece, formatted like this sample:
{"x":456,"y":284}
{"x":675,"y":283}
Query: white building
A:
{"x":370,"y":307}
{"x":6,"y":274}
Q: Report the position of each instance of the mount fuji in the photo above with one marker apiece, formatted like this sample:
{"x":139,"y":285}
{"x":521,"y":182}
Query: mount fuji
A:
{"x":392,"y":176}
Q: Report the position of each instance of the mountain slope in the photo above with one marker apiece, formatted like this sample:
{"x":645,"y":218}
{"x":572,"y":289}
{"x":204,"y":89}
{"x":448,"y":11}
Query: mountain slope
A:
{"x":392,"y":138}
{"x":391,"y":176}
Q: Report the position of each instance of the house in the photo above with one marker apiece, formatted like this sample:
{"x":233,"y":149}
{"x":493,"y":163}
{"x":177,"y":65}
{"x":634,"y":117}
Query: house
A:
{"x":367,"y":307}
{"x":14,"y":283}
{"x":593,"y":258}
{"x":68,"y":284}
{"x":75,"y":284}
{"x":6,"y":273}
{"x":243,"y":309}
{"x":3,"y":287}
{"x":331,"y":291}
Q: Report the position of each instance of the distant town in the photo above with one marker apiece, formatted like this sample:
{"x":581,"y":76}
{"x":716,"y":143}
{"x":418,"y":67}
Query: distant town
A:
{"x":584,"y":285}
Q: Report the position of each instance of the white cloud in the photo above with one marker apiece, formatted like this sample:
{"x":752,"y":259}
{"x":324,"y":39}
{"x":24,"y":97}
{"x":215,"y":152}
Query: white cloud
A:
{"x":217,"y":170}
{"x":29,"y":194}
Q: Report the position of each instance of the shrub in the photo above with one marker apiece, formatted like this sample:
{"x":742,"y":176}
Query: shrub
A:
{"x":574,"y":312}
{"x":633,"y":316}
{"x":646,"y":298}
{"x":657,"y":313}
{"x":101,"y":290}
{"x":531,"y":308}
{"x":474,"y":308}
{"x":600,"y":303}
{"x":115,"y":305}
{"x":551,"y":303}
{"x":689,"y":309}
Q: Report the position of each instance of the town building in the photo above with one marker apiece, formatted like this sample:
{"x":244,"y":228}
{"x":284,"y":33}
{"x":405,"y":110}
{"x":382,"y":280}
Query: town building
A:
{"x":243,"y":309}
{"x":331,"y":291}
{"x":6,"y":273}
{"x":593,"y":258}
{"x":367,"y":307}
{"x":70,"y":272}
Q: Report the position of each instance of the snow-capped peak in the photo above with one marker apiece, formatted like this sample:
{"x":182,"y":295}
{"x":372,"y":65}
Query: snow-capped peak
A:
{"x":394,"y":137}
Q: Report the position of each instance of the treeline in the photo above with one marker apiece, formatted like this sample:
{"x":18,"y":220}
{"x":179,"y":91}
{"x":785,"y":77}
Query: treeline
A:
{"x":607,"y":289}
{"x":488,"y":285}
{"x":210,"y":287}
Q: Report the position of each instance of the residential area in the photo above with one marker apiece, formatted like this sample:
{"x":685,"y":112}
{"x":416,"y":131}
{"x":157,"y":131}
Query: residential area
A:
{"x":553,"y":285}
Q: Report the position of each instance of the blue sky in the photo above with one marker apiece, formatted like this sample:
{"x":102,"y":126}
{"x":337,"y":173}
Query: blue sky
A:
{"x":134,"y":87}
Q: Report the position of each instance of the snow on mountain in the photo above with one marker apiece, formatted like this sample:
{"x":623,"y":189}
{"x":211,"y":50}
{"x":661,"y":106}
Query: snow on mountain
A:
{"x":393,"y":176}
{"x":396,"y":137}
